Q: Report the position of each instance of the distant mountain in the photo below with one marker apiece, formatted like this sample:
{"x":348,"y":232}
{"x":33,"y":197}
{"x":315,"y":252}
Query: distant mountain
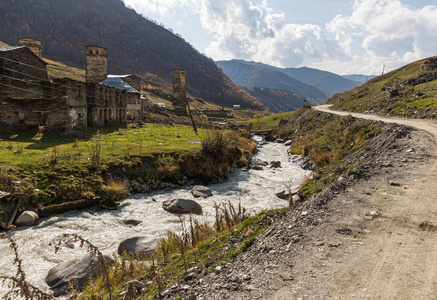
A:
{"x":135,"y":44}
{"x":327,"y":82}
{"x":359,"y":78}
{"x":253,"y":75}
{"x":279,"y":100}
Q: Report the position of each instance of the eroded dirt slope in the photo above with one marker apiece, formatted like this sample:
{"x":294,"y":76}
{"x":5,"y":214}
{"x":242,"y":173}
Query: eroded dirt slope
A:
{"x":370,"y":235}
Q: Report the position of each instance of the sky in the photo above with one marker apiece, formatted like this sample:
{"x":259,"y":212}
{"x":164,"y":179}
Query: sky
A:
{"x":340,"y":36}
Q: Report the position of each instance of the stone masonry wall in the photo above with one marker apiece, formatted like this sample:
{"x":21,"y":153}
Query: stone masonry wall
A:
{"x":96,"y":64}
{"x":22,"y":64}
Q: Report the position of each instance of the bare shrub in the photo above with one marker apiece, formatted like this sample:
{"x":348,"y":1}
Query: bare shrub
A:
{"x":115,"y":190}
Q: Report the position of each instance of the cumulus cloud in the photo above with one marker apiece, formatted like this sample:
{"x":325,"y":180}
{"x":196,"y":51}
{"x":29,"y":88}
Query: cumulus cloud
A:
{"x":251,"y":31}
{"x":388,"y":32}
{"x":373,"y":34}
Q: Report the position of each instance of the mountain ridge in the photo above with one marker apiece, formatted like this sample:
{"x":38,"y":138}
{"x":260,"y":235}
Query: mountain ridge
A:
{"x":135,"y":44}
{"x":327,"y":82}
{"x":252,"y":75}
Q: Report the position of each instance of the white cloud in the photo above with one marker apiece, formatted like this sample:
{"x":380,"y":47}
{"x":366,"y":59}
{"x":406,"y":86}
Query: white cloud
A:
{"x":251,"y":31}
{"x":389,"y":32}
{"x":372,"y":34}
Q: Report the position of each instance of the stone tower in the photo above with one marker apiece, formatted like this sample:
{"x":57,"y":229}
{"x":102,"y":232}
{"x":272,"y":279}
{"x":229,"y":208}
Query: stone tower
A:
{"x":96,"y":63}
{"x":33,"y":44}
{"x":179,"y":89}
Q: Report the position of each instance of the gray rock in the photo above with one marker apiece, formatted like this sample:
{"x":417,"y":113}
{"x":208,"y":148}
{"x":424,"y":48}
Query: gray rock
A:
{"x":201,"y":191}
{"x":280,"y":141}
{"x":288,"y":143}
{"x":136,"y":284}
{"x":258,"y":162}
{"x":137,"y":246}
{"x":270,"y":213}
{"x":27,"y":218}
{"x":108,"y":204}
{"x":182,"y":206}
{"x":73,"y":274}
{"x":258,"y":168}
{"x":131,"y":222}
{"x":275,"y":164}
{"x":287,"y":194}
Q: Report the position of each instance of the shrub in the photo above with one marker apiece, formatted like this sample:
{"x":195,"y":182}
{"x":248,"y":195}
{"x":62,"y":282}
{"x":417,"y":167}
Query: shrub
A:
{"x":115,"y":190}
{"x":215,"y":143}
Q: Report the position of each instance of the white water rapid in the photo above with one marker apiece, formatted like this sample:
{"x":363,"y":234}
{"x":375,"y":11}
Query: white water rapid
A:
{"x":255,"y":189}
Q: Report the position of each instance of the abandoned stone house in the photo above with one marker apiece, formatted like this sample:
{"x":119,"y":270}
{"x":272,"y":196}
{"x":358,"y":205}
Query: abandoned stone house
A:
{"x":28,"y":98}
{"x":134,"y":99}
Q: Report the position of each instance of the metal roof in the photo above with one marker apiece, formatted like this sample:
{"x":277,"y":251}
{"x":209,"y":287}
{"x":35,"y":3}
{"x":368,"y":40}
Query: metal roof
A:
{"x":9,"y":48}
{"x":119,"y":84}
{"x":119,"y":76}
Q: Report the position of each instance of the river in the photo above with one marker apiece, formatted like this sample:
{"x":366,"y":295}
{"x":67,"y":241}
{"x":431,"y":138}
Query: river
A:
{"x":255,"y":189}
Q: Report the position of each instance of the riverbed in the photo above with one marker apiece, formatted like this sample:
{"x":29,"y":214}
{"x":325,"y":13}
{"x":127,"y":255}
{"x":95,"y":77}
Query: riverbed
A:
{"x":255,"y":189}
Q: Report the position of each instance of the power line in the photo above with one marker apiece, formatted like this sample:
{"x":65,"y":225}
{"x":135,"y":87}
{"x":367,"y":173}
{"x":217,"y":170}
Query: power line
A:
{"x":34,"y":83}
{"x":17,"y":88}
{"x":39,"y":78}
{"x":24,"y":64}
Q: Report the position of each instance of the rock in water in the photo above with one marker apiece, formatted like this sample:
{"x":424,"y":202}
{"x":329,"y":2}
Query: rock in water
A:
{"x":27,"y":218}
{"x":201,"y":191}
{"x":73,"y":274}
{"x":275,"y":164}
{"x":137,"y":246}
{"x":182,"y":206}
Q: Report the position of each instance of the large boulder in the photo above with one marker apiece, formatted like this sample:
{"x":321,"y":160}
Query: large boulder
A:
{"x":27,"y":218}
{"x":182,"y":206}
{"x":288,"y":193}
{"x":201,"y":191}
{"x":257,"y":162}
{"x":137,"y":246}
{"x":275,"y":164}
{"x":73,"y":274}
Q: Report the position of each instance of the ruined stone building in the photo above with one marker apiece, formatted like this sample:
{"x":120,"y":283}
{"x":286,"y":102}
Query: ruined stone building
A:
{"x":135,"y":101}
{"x":28,"y":98}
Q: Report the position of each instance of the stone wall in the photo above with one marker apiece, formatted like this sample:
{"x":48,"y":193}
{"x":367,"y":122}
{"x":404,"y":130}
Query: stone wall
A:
{"x":33,"y":44}
{"x":22,"y":64}
{"x":96,"y":63}
{"x":106,"y":105}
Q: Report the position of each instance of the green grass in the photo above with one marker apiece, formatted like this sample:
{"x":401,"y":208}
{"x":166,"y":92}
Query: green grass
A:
{"x":31,"y":149}
{"x":374,"y":96}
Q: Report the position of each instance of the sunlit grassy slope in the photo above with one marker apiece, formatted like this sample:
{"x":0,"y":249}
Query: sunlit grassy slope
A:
{"x":408,"y":91}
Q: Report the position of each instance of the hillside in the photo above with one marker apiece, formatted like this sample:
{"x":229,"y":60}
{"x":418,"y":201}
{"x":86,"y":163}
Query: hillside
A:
{"x":249,"y":76}
{"x":327,"y":82}
{"x":279,"y":100}
{"x":408,"y":91}
{"x":359,"y":78}
{"x":135,"y":44}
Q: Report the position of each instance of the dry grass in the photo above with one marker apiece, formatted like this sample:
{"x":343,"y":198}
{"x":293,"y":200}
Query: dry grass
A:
{"x":115,"y":190}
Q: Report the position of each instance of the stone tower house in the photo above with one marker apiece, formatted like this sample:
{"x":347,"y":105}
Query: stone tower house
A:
{"x":179,"y":89}
{"x":33,"y":44}
{"x":96,"y":63}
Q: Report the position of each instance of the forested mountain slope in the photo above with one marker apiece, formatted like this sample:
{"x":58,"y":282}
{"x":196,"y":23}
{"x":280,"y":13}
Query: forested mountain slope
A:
{"x":135,"y":44}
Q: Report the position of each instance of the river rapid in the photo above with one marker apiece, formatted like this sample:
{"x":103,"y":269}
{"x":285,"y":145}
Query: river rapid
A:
{"x":255,"y":189}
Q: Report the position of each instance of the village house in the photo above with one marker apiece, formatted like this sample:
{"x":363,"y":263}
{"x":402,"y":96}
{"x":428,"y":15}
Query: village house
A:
{"x":28,"y":98}
{"x":134,"y":99}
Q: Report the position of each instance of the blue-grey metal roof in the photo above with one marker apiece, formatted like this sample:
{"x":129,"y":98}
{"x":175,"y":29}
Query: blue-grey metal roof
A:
{"x":9,"y":48}
{"x":119,"y":84}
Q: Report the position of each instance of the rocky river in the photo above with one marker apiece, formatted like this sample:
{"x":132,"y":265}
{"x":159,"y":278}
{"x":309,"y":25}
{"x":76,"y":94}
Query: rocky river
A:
{"x":255,"y":189}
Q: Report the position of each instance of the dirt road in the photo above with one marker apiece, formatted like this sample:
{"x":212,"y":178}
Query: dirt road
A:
{"x":392,"y":255}
{"x":371,"y":237}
